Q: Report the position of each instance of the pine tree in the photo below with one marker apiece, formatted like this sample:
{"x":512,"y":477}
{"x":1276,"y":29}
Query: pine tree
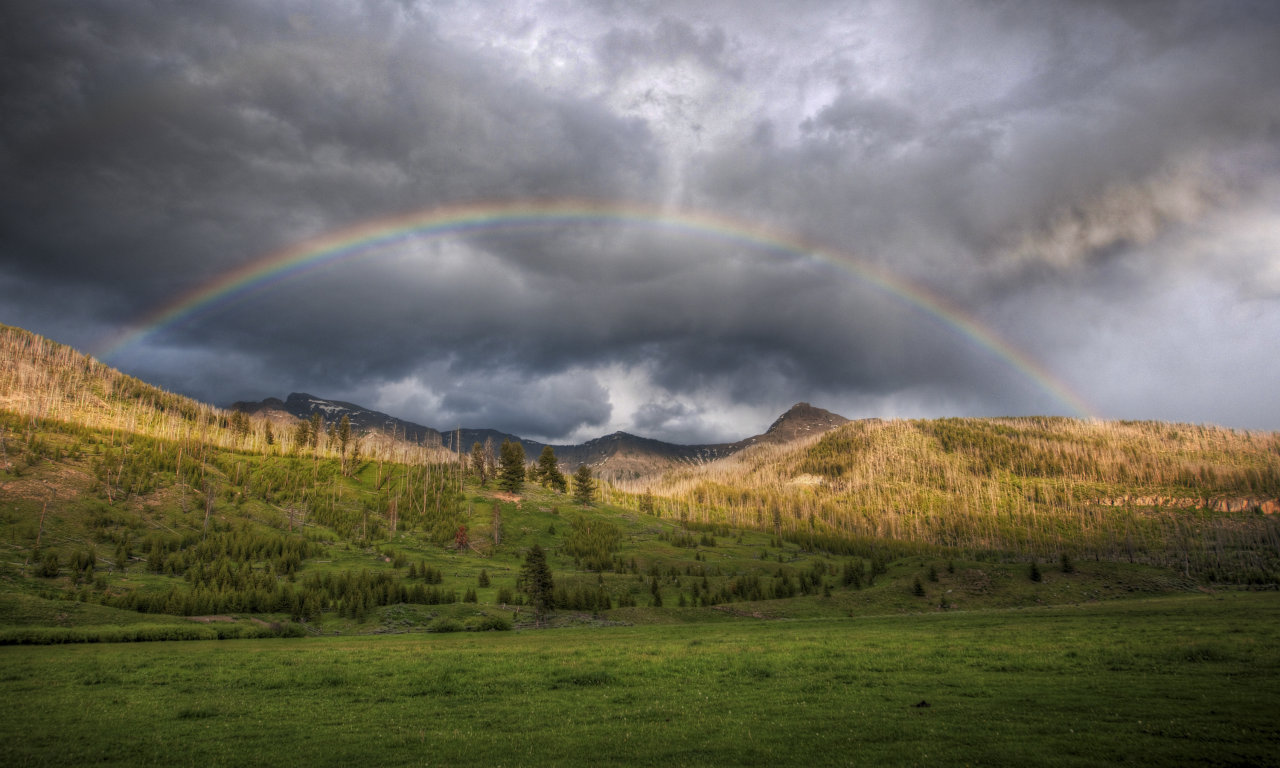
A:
{"x":584,"y":485}
{"x":483,"y":580}
{"x":344,"y":439}
{"x":512,"y":472}
{"x":478,"y":464}
{"x":317,"y":428}
{"x":302,"y":436}
{"x":536,"y":581}
{"x":656,"y":591}
{"x":933,"y":573}
{"x":1034,"y":573}
{"x":646,"y":502}
{"x":1067,"y":565}
{"x":548,"y":470}
{"x":917,"y":589}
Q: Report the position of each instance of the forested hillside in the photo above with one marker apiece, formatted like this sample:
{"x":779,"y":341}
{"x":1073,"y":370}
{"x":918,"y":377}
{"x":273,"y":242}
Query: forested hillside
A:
{"x":1198,"y":498}
{"x":44,"y":380}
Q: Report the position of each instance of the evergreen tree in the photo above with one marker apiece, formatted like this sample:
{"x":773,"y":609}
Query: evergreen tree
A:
{"x":1067,"y":565}
{"x":268,"y":434}
{"x":511,"y":461}
{"x":646,"y":502}
{"x":548,"y":470}
{"x":302,"y":436}
{"x":316,"y":429}
{"x":1034,"y":573}
{"x":656,"y":591}
{"x":536,"y":581}
{"x":483,"y":581}
{"x":478,"y":464}
{"x":933,"y":573}
{"x":584,"y":485}
{"x":917,"y":589}
{"x":344,"y":439}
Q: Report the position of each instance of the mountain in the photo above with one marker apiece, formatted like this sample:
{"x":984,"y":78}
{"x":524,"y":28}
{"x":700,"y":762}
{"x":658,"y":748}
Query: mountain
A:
{"x":300,"y":405}
{"x":614,"y":457}
{"x":623,"y":456}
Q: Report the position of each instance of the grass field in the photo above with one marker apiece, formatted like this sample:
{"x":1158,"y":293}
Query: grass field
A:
{"x":1160,"y":681}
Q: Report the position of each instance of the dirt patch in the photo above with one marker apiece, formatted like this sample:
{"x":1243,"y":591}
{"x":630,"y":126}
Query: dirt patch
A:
{"x":208,"y":619}
{"x":505,"y":496}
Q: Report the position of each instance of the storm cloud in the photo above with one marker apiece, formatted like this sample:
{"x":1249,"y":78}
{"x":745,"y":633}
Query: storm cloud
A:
{"x":1097,"y":183}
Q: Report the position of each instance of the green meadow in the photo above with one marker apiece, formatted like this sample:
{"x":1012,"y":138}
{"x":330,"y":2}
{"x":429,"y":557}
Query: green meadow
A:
{"x":1173,"y":680}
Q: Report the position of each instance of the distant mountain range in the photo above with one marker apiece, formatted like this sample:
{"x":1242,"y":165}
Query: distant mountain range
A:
{"x":617,"y":456}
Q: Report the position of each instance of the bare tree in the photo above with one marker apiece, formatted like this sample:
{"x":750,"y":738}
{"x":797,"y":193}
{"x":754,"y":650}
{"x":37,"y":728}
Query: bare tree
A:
{"x":210,"y":493}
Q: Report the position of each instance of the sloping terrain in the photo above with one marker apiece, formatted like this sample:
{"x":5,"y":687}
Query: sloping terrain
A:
{"x":1188,"y":496}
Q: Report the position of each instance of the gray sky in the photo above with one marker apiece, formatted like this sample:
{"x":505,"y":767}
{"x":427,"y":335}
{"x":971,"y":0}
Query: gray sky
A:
{"x":1097,"y":183}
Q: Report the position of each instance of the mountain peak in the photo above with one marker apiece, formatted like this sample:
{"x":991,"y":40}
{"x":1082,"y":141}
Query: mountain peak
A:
{"x":801,"y":420}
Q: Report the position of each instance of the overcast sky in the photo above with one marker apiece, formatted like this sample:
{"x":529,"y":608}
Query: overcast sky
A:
{"x":1098,"y":183}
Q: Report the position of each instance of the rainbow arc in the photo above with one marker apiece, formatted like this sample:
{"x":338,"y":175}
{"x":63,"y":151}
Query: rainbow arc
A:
{"x":366,"y":238}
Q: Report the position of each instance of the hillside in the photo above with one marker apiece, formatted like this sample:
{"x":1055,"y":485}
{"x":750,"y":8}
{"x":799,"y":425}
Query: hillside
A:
{"x":1171,"y":494}
{"x":41,"y":379}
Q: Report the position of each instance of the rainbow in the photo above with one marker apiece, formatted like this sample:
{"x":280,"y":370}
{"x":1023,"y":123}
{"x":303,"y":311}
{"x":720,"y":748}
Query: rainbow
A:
{"x":362,"y":239}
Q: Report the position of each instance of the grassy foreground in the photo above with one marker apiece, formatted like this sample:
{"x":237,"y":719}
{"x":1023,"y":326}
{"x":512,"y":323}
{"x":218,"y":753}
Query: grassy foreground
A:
{"x":1162,"y":681}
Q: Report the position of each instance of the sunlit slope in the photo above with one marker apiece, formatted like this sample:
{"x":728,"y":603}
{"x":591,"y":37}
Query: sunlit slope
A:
{"x":44,"y":380}
{"x":1193,"y":497}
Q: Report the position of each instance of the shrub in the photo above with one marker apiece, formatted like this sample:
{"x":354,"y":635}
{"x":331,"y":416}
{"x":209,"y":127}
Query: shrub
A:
{"x":446,"y":624}
{"x":917,"y":589}
{"x":1067,"y":565}
{"x":1034,"y":573}
{"x":483,"y":580}
{"x":49,"y":568}
{"x":933,"y":573}
{"x":493,"y":623}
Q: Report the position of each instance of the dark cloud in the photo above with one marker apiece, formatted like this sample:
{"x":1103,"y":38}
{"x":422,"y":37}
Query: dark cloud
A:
{"x":1056,"y":170}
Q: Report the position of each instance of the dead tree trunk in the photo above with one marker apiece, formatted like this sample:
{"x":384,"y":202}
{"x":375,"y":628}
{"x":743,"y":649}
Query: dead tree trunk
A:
{"x":211,"y":491}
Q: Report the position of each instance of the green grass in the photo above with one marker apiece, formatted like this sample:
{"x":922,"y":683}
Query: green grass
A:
{"x":1162,"y":681}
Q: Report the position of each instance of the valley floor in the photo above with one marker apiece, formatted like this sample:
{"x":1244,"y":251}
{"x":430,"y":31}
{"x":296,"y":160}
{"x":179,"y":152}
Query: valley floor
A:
{"x":1170,"y":680}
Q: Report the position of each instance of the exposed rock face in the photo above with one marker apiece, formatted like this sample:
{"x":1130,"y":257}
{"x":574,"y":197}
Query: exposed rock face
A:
{"x":616,"y":456}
